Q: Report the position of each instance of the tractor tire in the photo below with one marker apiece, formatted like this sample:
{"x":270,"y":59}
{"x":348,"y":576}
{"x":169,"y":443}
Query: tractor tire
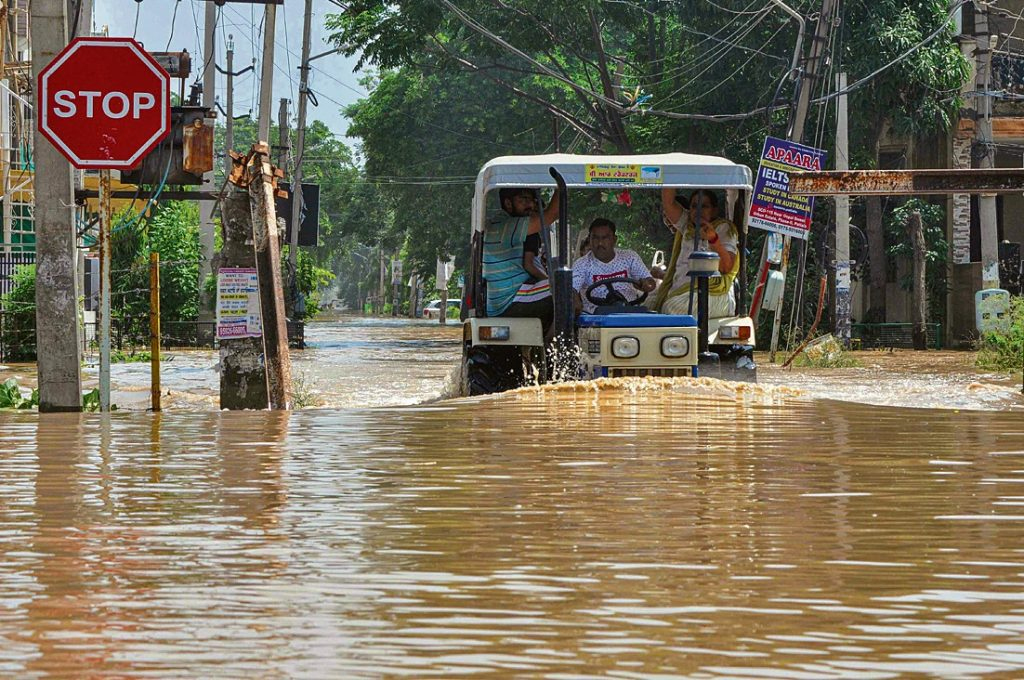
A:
{"x":480,"y":374}
{"x":489,"y":370}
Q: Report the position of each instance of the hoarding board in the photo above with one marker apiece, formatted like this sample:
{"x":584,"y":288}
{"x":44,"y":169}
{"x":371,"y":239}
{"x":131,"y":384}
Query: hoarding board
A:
{"x":773,"y":208}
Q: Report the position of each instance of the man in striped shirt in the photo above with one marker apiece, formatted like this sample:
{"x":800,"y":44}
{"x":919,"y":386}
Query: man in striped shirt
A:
{"x":504,"y":269}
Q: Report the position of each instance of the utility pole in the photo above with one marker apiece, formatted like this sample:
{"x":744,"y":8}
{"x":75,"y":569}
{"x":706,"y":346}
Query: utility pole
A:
{"x":229,"y":112}
{"x":843,"y":281}
{"x":57,"y":328}
{"x":797,"y":123}
{"x":300,"y":139}
{"x":986,"y":202}
{"x":85,"y":18}
{"x":284,"y":146}
{"x":381,"y":284}
{"x":267,"y":71}
{"x":243,"y":378}
{"x":229,"y":122}
{"x":206,"y":238}
{"x":283,"y":141}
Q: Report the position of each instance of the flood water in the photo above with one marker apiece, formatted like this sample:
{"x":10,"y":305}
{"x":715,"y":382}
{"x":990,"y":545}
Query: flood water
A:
{"x":627,"y":529}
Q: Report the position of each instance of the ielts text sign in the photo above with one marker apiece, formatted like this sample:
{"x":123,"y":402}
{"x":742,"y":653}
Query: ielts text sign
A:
{"x":104,"y":103}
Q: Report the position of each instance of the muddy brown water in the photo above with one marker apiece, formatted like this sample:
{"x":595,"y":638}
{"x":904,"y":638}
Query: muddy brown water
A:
{"x":624,"y":529}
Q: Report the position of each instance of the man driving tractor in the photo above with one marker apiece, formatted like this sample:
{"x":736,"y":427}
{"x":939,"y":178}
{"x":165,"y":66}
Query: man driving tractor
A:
{"x":604,"y":262}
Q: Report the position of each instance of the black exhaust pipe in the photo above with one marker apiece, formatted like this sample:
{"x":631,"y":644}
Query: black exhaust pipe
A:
{"x":561,"y":290}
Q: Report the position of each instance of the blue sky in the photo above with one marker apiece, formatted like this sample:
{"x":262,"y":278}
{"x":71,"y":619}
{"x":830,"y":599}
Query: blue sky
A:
{"x":331,"y":79}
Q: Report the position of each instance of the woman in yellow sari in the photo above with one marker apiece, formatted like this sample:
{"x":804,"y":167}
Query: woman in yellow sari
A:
{"x":717,"y":235}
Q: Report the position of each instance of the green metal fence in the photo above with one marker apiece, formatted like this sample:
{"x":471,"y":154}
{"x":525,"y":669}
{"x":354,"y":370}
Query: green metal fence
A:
{"x":898,"y":335}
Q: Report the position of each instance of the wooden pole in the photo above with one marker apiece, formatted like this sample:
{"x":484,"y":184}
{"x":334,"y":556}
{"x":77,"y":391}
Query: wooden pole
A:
{"x":268,"y":266}
{"x":154,"y":330}
{"x":920,"y":297}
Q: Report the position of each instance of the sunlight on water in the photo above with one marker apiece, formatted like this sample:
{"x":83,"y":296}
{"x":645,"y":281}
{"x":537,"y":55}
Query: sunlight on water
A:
{"x":632,"y":528}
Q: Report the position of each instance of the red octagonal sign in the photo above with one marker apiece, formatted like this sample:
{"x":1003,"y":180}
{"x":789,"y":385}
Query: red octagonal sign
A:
{"x":104,"y":103}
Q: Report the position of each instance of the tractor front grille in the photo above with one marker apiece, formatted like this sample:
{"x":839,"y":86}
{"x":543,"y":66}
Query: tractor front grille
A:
{"x":649,"y":372}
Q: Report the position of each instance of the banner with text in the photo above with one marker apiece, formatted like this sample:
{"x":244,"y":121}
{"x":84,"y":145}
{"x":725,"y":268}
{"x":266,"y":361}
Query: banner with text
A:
{"x":238,"y":303}
{"x":773,"y":207}
{"x":617,"y":174}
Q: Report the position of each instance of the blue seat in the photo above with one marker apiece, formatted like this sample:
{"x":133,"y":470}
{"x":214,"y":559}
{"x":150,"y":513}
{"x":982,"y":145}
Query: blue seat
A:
{"x":637,"y":321}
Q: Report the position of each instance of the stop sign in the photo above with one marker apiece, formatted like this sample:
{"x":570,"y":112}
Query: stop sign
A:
{"x":104,"y":103}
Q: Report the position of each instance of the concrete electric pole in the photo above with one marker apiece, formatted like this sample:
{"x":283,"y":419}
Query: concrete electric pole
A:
{"x":986,"y":202}
{"x":300,"y":139}
{"x":229,"y":116}
{"x":206,"y":238}
{"x":284,"y":142}
{"x":798,"y":121}
{"x":843,"y":281}
{"x":267,"y":71}
{"x":57,"y":329}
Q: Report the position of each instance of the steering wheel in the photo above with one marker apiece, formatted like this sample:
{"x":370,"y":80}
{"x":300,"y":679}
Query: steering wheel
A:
{"x":614,"y":297}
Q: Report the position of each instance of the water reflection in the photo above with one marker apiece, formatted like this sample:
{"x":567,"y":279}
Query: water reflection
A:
{"x":643,"y":528}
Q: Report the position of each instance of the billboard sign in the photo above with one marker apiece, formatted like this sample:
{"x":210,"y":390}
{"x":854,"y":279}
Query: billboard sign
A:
{"x":773,"y":208}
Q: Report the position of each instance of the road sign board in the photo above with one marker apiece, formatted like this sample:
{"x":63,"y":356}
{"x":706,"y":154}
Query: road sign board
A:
{"x":104,"y":103}
{"x":773,"y":207}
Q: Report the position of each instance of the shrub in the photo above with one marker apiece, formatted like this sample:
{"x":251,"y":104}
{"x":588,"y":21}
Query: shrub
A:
{"x":18,"y":323}
{"x":1004,"y":350}
{"x":826,"y":352}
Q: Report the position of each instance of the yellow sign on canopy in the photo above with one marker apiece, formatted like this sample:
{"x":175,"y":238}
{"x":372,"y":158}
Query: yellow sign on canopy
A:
{"x":622,"y":174}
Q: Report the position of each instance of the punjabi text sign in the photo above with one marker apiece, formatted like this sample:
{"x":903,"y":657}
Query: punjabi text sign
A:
{"x":610,"y":173}
{"x":238,"y":303}
{"x":773,"y":207}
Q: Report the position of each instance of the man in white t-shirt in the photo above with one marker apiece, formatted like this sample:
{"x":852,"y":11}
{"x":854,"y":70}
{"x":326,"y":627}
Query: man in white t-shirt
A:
{"x":605,"y":262}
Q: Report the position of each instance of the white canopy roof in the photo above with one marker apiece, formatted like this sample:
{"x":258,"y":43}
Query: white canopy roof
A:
{"x":641,"y":171}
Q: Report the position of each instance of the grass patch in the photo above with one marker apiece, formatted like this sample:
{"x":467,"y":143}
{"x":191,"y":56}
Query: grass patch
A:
{"x":130,"y":357}
{"x":11,"y":397}
{"x":1004,"y":350}
{"x":303,"y":394}
{"x":825,"y":352}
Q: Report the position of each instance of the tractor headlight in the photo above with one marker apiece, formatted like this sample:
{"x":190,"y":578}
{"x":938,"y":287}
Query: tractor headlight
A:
{"x":675,"y":346}
{"x":625,"y":347}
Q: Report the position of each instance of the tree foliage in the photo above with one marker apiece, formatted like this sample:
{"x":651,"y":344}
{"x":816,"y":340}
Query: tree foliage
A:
{"x":461,"y":82}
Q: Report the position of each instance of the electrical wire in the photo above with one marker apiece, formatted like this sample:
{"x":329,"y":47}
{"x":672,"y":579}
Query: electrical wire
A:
{"x":174,"y":16}
{"x":723,"y":81}
{"x":722,"y":54}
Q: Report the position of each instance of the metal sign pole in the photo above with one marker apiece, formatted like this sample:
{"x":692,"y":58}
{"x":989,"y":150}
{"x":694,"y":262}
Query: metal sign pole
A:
{"x":104,"y":315}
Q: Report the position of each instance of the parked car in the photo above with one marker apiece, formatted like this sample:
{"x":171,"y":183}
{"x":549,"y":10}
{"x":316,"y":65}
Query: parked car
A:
{"x":433,"y":309}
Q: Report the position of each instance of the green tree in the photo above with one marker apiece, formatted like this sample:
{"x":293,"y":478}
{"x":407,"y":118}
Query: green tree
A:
{"x":18,"y":321}
{"x":933,"y":221}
